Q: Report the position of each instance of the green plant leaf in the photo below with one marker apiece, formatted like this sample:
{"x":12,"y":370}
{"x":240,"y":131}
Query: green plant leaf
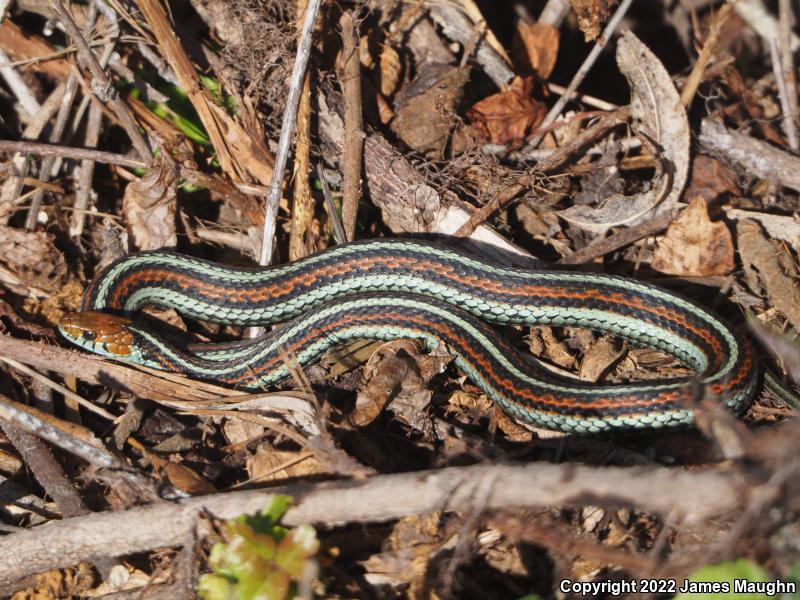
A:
{"x":260,"y":558}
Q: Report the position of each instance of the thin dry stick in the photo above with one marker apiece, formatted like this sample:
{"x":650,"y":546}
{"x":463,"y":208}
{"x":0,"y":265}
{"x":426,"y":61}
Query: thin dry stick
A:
{"x":379,"y":498}
{"x":789,"y":127}
{"x":18,"y":86}
{"x":785,"y":24}
{"x":38,"y":457}
{"x":287,"y":129}
{"x":330,"y":207}
{"x":303,"y":204}
{"x":303,"y":201}
{"x":196,"y":177}
{"x":10,"y":190}
{"x":91,"y":136}
{"x":169,"y":44}
{"x":484,"y":212}
{"x":160,"y":386}
{"x":554,"y":12}
{"x":86,"y":174}
{"x":109,"y":158}
{"x":584,"y":69}
{"x":709,"y":47}
{"x":58,"y":129}
{"x":28,"y":419}
{"x":597,"y":103}
{"x":618,"y":240}
{"x":102,"y":86}
{"x":58,"y":388}
{"x":353,"y":123}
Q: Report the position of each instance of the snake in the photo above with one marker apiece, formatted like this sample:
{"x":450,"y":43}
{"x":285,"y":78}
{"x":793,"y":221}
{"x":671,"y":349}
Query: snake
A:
{"x":445,"y":298}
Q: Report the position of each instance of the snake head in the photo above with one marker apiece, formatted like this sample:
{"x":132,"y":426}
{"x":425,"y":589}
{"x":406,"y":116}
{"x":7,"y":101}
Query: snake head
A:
{"x":100,"y":333}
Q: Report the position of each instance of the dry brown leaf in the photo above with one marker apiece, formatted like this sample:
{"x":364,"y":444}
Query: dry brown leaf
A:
{"x":601,"y":355}
{"x":246,"y":141}
{"x":269,"y":464}
{"x":763,"y":267}
{"x":658,"y":116}
{"x":536,"y":48}
{"x":391,"y":70}
{"x":393,"y":375}
{"x":592,"y":15}
{"x":30,"y":260}
{"x":710,"y":178}
{"x":10,"y":464}
{"x":779,"y":227}
{"x":185,"y":479}
{"x":149,"y":206}
{"x":544,"y":342}
{"x":426,"y":108}
{"x":510,"y":115}
{"x":407,"y":551}
{"x":695,"y":245}
{"x":512,"y":430}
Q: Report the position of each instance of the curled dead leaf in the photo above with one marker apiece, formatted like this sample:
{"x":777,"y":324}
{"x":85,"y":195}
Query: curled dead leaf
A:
{"x":391,"y":70}
{"x":149,"y":206}
{"x":694,"y":245}
{"x":270,"y":464}
{"x":592,"y":15}
{"x":426,"y":108}
{"x":30,"y":261}
{"x":765,"y":266}
{"x":510,"y":115}
{"x":536,"y":48}
{"x":659,"y":120}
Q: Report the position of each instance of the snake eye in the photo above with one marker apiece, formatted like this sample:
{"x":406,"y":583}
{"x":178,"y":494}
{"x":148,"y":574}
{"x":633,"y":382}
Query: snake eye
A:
{"x":89,"y":335}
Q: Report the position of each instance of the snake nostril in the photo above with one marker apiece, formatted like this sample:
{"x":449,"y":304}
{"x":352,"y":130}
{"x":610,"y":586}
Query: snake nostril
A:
{"x":89,"y":335}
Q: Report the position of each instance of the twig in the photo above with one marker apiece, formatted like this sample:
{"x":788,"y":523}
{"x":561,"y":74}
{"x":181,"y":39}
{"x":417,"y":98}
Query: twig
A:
{"x":353,"y":123}
{"x":4,"y":6}
{"x":41,"y":462}
{"x":110,"y":158}
{"x":161,"y":387}
{"x":102,"y":86}
{"x":57,"y":131}
{"x":338,"y":229}
{"x":28,"y":419}
{"x":91,"y":136}
{"x":86,"y":174}
{"x":176,"y":56}
{"x":789,"y":126}
{"x":18,"y":86}
{"x":303,"y":204}
{"x":586,"y":137}
{"x":554,"y":12}
{"x":597,"y":103}
{"x":457,"y":26}
{"x":785,"y":24}
{"x":499,"y":201}
{"x":122,"y":160}
{"x":622,"y":238}
{"x":584,"y":69}
{"x":9,"y":193}
{"x":67,"y":393}
{"x":756,"y":14}
{"x":709,"y":47}
{"x":287,"y":129}
{"x":379,"y":498}
{"x":754,"y":156}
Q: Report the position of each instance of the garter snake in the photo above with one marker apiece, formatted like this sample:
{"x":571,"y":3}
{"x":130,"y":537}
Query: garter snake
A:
{"x":396,"y":288}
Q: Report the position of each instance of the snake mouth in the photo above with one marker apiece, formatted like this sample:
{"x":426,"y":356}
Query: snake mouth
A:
{"x":98,"y":332}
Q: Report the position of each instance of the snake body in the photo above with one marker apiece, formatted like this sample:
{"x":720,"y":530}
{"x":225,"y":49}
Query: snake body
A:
{"x":388,"y":289}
